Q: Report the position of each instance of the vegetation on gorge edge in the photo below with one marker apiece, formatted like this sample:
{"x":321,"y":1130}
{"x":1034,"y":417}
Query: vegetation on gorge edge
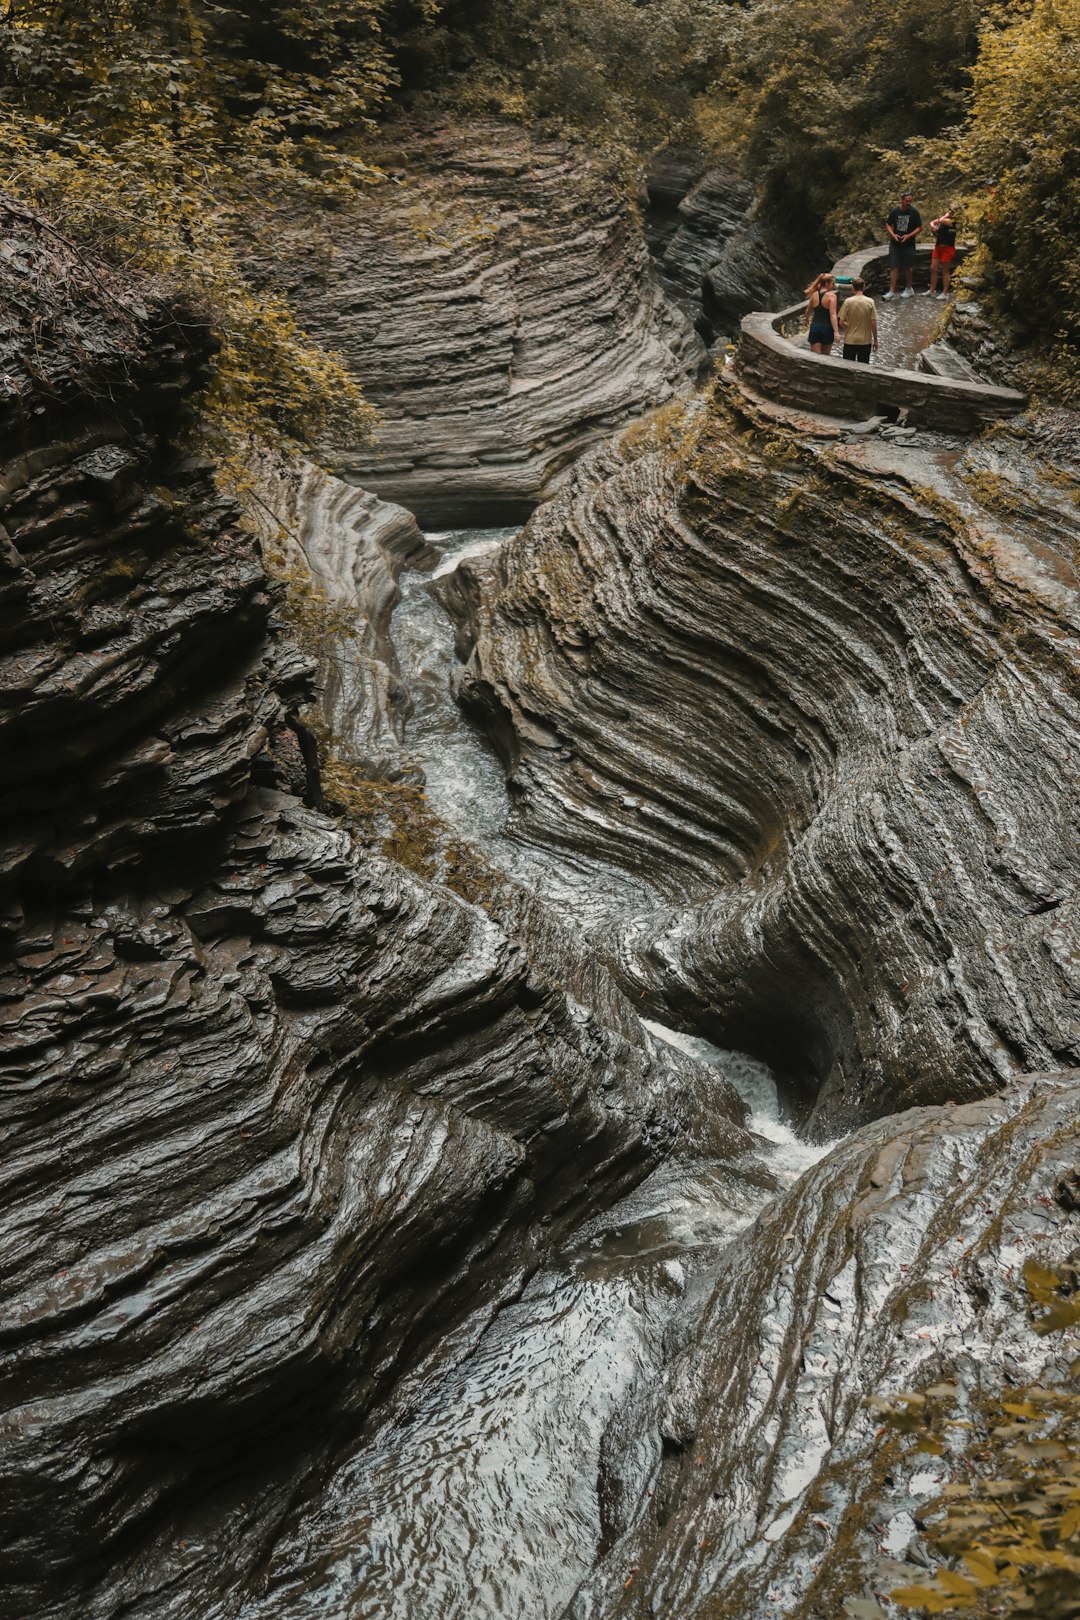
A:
{"x":164,"y":137}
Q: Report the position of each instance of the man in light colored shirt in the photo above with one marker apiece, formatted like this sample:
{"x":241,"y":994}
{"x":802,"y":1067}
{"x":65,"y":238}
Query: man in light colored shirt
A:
{"x":858,"y":317}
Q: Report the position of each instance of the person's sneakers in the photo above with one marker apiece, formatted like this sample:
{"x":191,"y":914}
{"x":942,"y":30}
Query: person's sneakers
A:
{"x":908,"y":292}
{"x":887,"y":296}
{"x":929,"y":293}
{"x":941,"y":295}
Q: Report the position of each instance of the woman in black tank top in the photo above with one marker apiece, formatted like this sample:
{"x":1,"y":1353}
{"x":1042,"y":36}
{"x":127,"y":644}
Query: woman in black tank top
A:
{"x":821,"y":314}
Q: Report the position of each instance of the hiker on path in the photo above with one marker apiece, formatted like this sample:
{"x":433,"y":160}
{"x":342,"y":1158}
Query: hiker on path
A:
{"x":944,"y":229}
{"x":858,"y":317}
{"x":903,"y":225}
{"x":821,"y":314}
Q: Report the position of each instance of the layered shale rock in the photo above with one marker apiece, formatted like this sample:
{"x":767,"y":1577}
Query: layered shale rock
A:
{"x":276,"y":1109}
{"x":756,"y":1481}
{"x":500,"y":310}
{"x":716,"y":255}
{"x":823,"y":694}
{"x":340,"y":551}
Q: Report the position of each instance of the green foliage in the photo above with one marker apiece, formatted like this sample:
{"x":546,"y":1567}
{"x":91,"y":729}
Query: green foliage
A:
{"x":1024,"y":135}
{"x":153,"y":132}
{"x":813,"y":100}
{"x":622,"y":72}
{"x":1007,"y":1530}
{"x":831,"y":110}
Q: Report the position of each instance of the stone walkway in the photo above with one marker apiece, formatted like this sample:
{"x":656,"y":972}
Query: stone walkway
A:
{"x":774,"y":360}
{"x":905,"y":327}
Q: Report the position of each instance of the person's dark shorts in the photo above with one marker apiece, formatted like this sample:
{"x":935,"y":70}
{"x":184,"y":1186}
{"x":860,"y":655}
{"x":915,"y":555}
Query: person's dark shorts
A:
{"x":901,"y":254}
{"x":857,"y":351}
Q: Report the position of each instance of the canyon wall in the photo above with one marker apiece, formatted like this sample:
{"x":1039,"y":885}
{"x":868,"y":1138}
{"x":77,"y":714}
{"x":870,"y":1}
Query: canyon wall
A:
{"x":496,"y":299}
{"x":822,"y":691}
{"x":755,"y":1478}
{"x":277,"y":1109}
{"x":290,"y":1118}
{"x":716,"y":253}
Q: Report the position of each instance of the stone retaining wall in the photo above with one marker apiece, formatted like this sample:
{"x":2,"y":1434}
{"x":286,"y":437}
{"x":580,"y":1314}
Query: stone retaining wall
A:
{"x":780,"y":370}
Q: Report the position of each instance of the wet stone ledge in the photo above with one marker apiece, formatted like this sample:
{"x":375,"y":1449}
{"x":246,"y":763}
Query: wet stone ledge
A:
{"x":277,"y":1110}
{"x":780,"y":371}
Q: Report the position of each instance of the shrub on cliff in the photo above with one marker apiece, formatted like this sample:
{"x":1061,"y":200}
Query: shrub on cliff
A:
{"x":808,"y":97}
{"x":151,"y":130}
{"x":621,"y":72}
{"x":1025,"y":134}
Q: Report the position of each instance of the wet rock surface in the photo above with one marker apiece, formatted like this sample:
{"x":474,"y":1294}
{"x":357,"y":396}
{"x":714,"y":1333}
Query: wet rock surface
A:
{"x":502,"y":314}
{"x":340,"y":551}
{"x":277,"y":1111}
{"x":823,"y":696}
{"x":753,"y":1480}
{"x":365,"y":1254}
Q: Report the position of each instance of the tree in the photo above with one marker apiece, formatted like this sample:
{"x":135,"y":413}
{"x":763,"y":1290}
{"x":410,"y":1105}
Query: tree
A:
{"x":152,"y":129}
{"x":1024,"y":135}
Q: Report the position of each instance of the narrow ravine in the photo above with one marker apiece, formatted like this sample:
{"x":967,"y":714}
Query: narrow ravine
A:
{"x":514,"y":1471}
{"x":482,"y":1501}
{"x":485,"y":1499}
{"x":466,"y":784}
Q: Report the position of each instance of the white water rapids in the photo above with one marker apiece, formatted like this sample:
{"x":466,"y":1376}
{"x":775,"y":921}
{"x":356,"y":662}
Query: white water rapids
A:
{"x":482,"y":1502}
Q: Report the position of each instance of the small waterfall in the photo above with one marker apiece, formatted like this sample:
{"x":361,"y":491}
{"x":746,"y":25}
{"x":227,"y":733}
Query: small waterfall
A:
{"x":480,"y":1501}
{"x":466,"y":785}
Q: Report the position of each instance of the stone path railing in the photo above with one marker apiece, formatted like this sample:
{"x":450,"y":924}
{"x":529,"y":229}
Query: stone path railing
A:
{"x":780,"y":370}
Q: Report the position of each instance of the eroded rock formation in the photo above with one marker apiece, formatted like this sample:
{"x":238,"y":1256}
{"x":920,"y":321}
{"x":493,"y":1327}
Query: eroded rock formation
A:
{"x":289,"y":1120}
{"x":276,"y":1109}
{"x":500,"y":310}
{"x":755,"y":1481}
{"x":340,"y":551}
{"x":823,"y":692}
{"x":715,"y":253}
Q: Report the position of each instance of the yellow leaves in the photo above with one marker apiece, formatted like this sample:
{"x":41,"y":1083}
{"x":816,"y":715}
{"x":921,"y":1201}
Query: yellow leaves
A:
{"x":1006,"y":1532}
{"x":930,"y":1598}
{"x":1041,"y":1281}
{"x":1047,"y":1287}
{"x":982,"y":1566}
{"x":956,"y":1585}
{"x":151,"y":131}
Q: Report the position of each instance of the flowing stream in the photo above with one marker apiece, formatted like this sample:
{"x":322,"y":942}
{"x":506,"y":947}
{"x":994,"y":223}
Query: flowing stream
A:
{"x":466,"y":785}
{"x":483,"y":1502}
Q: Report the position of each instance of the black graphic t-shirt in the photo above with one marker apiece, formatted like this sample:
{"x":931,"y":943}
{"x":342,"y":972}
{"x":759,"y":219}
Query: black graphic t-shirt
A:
{"x":904,"y":220}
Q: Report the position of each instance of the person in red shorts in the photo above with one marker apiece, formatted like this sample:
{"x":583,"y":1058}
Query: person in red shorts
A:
{"x":944,"y":229}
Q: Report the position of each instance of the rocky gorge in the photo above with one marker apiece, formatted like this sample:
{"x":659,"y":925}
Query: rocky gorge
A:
{"x":496,"y":297}
{"x":512,"y":1217}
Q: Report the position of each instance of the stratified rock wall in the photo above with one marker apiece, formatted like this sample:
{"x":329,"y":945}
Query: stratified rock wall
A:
{"x":275,"y":1109}
{"x":716,"y":255}
{"x":756,"y":1481}
{"x":500,"y":310}
{"x":825,"y":696}
{"x":340,"y":551}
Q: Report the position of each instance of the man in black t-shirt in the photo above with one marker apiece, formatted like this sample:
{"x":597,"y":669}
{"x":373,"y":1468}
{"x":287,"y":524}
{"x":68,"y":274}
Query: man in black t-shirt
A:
{"x":903,"y":225}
